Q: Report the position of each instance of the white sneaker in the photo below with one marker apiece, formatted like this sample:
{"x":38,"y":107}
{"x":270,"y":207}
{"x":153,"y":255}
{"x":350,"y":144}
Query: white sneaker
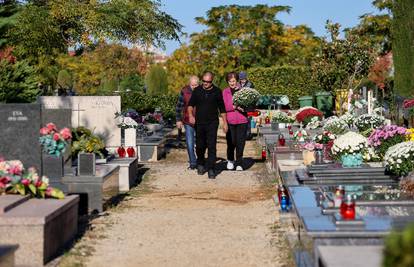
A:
{"x":230,"y":165}
{"x":239,"y":168}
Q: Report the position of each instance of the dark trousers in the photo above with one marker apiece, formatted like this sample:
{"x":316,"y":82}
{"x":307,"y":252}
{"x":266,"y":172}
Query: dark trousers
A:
{"x":206,"y":138}
{"x":230,"y":146}
{"x":238,"y":138}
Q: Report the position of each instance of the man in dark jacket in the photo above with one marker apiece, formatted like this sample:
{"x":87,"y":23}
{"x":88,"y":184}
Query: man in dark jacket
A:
{"x":207,"y":100}
{"x":183,"y":119}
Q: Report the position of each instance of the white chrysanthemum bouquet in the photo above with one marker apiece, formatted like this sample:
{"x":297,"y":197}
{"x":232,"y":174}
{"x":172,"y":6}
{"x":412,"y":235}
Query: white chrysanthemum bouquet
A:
{"x":246,"y":97}
{"x":349,"y":143}
{"x":399,"y":159}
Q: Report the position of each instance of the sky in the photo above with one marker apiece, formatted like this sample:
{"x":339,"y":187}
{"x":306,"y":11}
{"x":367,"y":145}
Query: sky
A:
{"x":313,"y":13}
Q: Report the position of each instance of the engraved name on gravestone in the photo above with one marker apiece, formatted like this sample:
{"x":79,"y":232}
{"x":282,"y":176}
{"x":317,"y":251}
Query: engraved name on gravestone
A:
{"x":19,"y":133}
{"x":94,"y":112}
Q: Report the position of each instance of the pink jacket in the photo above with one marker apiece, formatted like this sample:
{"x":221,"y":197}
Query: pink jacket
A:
{"x":233,"y":116}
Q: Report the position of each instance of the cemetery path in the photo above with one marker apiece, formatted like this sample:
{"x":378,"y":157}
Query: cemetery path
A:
{"x":178,"y":218}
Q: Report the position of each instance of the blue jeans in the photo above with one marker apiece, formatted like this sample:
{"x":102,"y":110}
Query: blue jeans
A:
{"x":190,"y":140}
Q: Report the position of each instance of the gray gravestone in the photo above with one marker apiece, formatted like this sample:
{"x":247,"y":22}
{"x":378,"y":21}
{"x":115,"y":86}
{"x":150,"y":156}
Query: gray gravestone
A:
{"x":19,"y":131}
{"x":96,"y":113}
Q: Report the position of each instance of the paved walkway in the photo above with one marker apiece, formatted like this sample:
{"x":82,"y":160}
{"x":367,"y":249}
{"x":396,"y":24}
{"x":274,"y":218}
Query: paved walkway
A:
{"x":178,"y":218}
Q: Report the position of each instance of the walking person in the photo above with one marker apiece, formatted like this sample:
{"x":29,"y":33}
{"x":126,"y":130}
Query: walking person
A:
{"x":207,"y":100}
{"x":245,"y":83}
{"x":183,"y":119}
{"x":237,"y":121}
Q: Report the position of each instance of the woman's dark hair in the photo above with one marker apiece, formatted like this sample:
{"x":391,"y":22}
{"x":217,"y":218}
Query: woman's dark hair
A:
{"x":231,"y":75}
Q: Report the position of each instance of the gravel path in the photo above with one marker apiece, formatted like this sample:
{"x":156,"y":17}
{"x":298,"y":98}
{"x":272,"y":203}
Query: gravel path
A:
{"x":178,"y":218}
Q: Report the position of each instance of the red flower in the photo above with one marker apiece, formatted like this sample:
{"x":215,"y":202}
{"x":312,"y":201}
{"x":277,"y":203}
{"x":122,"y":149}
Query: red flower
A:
{"x":51,"y":126}
{"x":66,"y":133}
{"x":49,"y":191}
{"x":306,"y":113}
{"x":38,"y":183}
{"x":56,"y":136}
{"x":44,"y":131}
{"x":25,"y":182}
{"x":4,"y":181}
{"x":408,"y":103}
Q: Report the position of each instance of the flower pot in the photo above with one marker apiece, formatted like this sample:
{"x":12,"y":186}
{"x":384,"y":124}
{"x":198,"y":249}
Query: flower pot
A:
{"x":351,"y":160}
{"x":308,"y":157}
{"x":86,"y":164}
{"x":318,"y":154}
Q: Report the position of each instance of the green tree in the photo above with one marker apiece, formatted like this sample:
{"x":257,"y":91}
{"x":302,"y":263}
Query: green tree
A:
{"x":64,"y":80}
{"x":18,"y":83}
{"x":156,"y":80}
{"x":238,"y":38}
{"x":403,"y":47}
{"x":8,"y":13}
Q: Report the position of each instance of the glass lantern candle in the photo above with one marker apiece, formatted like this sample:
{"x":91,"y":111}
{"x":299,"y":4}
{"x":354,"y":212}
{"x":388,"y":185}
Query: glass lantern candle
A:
{"x":281,"y":140}
{"x":121,"y":152}
{"x":347,"y":208}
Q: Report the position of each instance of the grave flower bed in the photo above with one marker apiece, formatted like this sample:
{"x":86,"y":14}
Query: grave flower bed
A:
{"x":366,"y":122}
{"x":14,"y":179}
{"x":305,"y":114}
{"x":349,"y":143}
{"x":399,"y":159}
{"x":385,"y":137}
{"x":336,"y":125}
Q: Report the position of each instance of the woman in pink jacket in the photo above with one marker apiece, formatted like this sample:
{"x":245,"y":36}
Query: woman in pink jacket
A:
{"x":237,"y":121}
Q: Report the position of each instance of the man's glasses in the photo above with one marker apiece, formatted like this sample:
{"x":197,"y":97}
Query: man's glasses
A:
{"x":207,"y":81}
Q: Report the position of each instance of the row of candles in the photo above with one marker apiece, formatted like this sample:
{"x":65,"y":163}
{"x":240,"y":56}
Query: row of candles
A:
{"x":122,"y":152}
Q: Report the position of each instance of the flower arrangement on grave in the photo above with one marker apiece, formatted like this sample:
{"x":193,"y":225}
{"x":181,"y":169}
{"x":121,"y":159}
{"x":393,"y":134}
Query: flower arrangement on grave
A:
{"x":314,"y":123}
{"x":128,"y":119}
{"x":410,"y":134}
{"x":324,"y":138}
{"x":312,"y":146}
{"x":385,"y":137}
{"x":366,"y":122}
{"x":305,"y":114}
{"x":348,"y":118}
{"x":336,"y":125}
{"x":282,"y":117}
{"x":349,"y":148}
{"x":370,"y":155}
{"x":246,"y":97}
{"x":53,"y":141}
{"x":14,"y":179}
{"x":86,"y":142}
{"x":152,"y":118}
{"x":399,"y":159}
{"x":300,"y":135}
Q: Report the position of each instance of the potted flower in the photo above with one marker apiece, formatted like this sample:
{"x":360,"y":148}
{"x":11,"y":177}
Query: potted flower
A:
{"x":153,"y":122}
{"x":399,"y":159}
{"x":325,"y":139}
{"x":246,"y":98}
{"x":304,"y":115}
{"x":280,"y":118}
{"x":14,"y":179}
{"x":349,"y":148}
{"x":53,"y":142}
{"x":410,"y":134}
{"x":385,"y":137}
{"x":367,"y":122}
{"x":336,"y":125}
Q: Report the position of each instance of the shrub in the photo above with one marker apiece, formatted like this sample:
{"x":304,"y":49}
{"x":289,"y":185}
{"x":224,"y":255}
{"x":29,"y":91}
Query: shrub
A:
{"x":399,"y":248}
{"x":145,"y":103}
{"x":293,"y":82}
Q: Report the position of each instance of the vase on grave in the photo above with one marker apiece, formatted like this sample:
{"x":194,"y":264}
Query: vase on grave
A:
{"x":86,"y":164}
{"x":327,"y":152}
{"x":308,"y":157}
{"x":52,"y":167}
{"x":351,"y":160}
{"x":318,"y":154}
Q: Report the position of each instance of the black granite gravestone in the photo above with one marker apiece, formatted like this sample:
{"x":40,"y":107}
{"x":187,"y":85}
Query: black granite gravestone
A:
{"x":19,"y":133}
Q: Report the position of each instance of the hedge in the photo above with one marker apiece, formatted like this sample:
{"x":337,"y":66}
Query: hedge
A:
{"x":144,"y":103}
{"x":284,"y":80}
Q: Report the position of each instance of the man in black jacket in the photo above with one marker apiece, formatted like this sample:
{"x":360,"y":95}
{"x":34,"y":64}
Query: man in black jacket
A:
{"x":207,"y":100}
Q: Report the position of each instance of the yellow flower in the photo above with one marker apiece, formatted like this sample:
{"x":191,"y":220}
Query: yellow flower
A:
{"x":410,"y":136}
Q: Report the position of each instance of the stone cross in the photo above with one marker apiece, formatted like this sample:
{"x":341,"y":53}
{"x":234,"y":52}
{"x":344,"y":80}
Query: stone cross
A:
{"x":78,"y":112}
